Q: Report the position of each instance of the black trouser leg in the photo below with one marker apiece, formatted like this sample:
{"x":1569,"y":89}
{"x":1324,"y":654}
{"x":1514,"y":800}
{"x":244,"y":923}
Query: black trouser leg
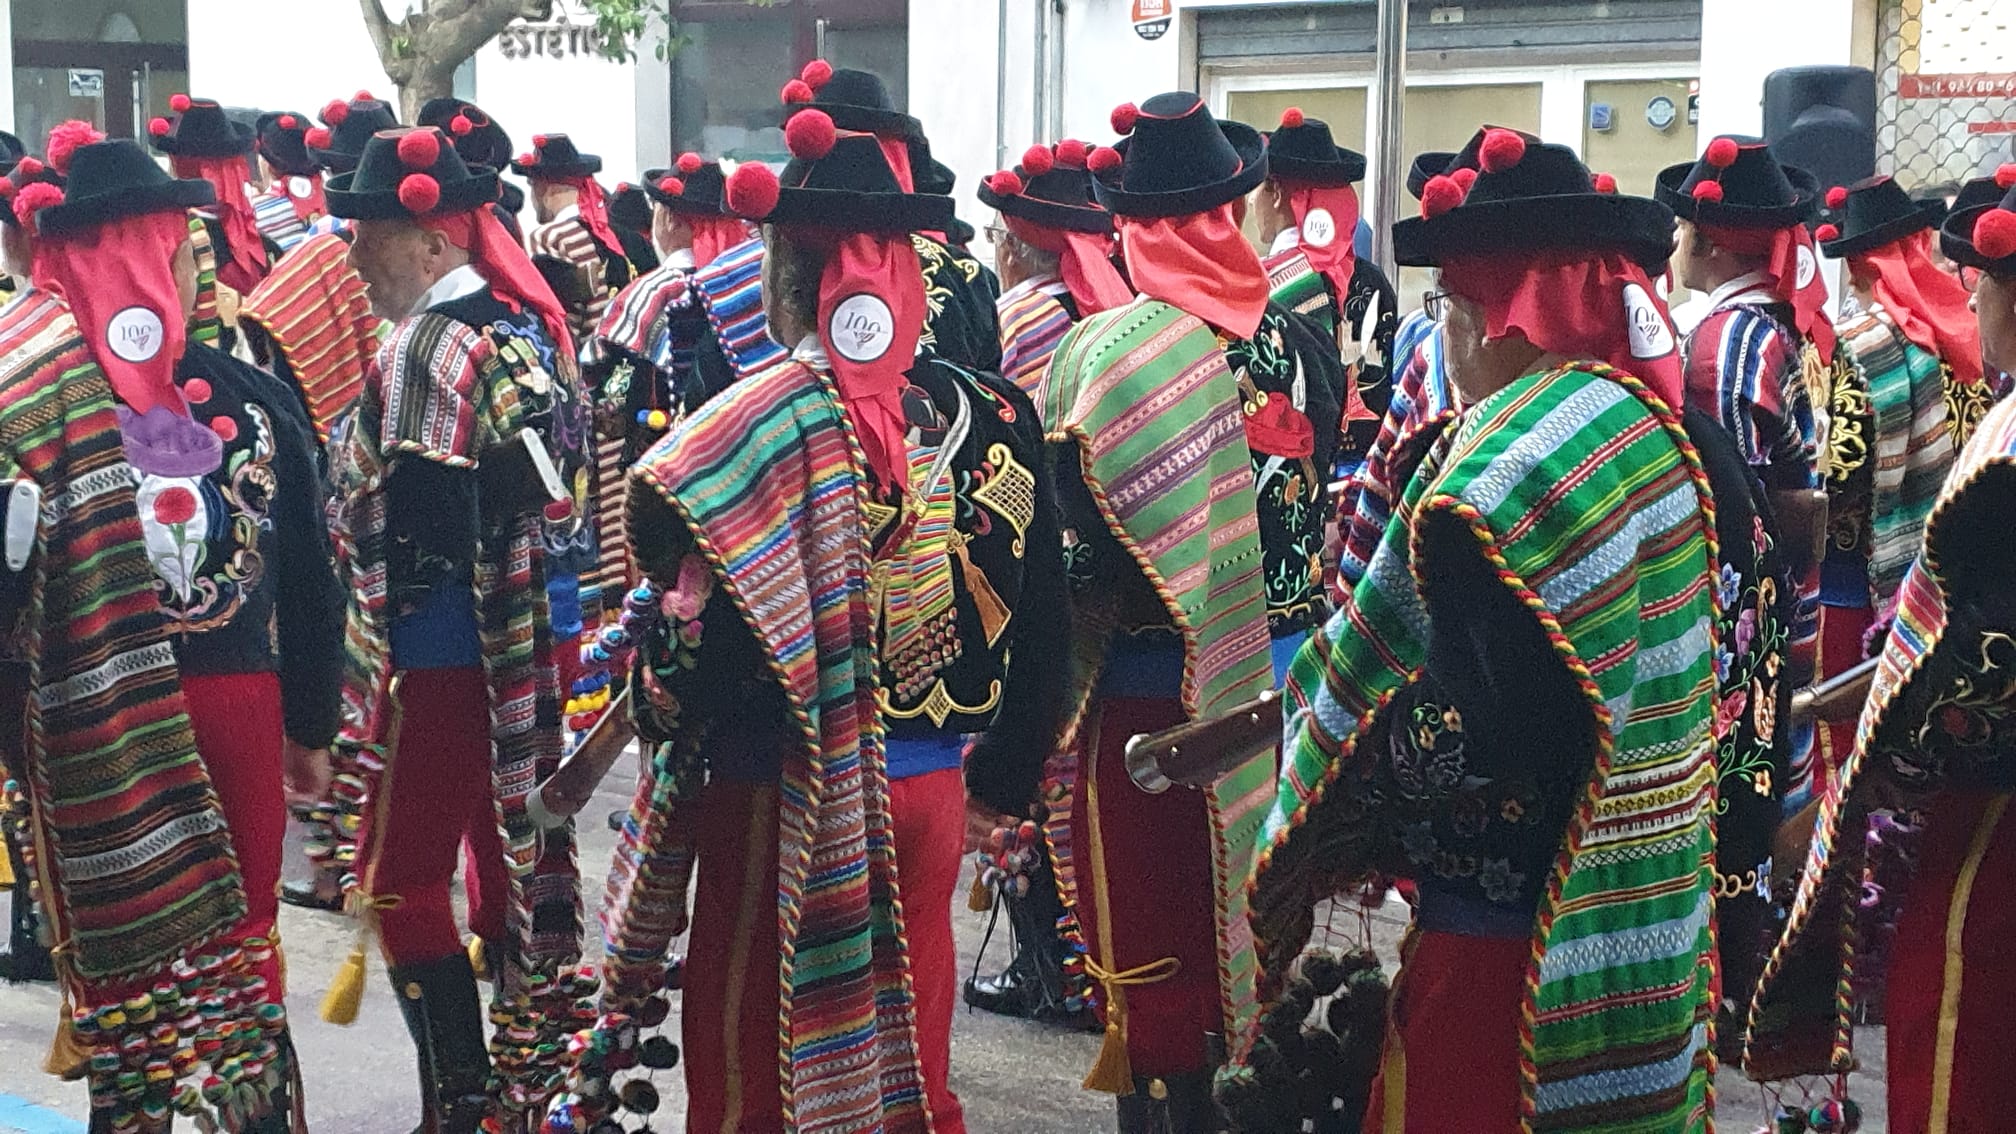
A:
{"x":445,"y":1016}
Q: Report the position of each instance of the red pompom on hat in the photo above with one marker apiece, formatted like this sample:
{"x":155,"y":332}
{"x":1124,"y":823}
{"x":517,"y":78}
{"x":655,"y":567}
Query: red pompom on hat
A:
{"x":1124,"y":117}
{"x":336,"y":112}
{"x":196,"y":391}
{"x":1006,"y":184}
{"x":528,"y":158}
{"x":810,"y":136}
{"x":460,"y":126}
{"x":317,"y":138}
{"x":419,"y":192}
{"x":365,"y":96}
{"x":796,"y":91}
{"x":753,"y":190}
{"x":7,"y":189}
{"x":1292,"y":117}
{"x":689,"y":163}
{"x":1440,"y":195}
{"x":224,"y":427}
{"x":420,"y":149}
{"x":288,"y":122}
{"x":179,"y":103}
{"x":1071,"y":153}
{"x":158,"y":127}
{"x":1708,"y":191}
{"x":1826,"y":234}
{"x":1837,"y":197}
{"x":1994,"y":232}
{"x":33,"y":198}
{"x":1038,"y":160}
{"x":30,"y":167}
{"x":1465,"y":177}
{"x":1721,"y":153}
{"x":67,"y":138}
{"x":817,"y":73}
{"x":671,"y":186}
{"x":2005,"y":176}
{"x":539,"y":141}
{"x":1102,"y":159}
{"x":1606,"y":183}
{"x":1502,"y":149}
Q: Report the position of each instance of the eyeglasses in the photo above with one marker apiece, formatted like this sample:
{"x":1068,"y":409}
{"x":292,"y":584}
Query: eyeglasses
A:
{"x":1436,"y":304}
{"x":995,"y":233}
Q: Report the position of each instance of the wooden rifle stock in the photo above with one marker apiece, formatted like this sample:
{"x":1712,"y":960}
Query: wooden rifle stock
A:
{"x":1197,"y":753}
{"x":1837,"y":699}
{"x":564,"y":793}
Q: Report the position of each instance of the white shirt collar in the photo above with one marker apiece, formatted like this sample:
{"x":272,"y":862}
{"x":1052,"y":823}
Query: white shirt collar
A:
{"x":812,"y":353}
{"x":1737,"y":288}
{"x":568,"y":213}
{"x":678,"y":258}
{"x":1047,"y":281}
{"x":1290,"y":238}
{"x":465,"y":280}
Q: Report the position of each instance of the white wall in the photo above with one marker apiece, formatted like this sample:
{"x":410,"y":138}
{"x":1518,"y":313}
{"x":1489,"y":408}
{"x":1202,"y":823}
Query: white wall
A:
{"x":952,"y":81}
{"x":590,"y":99}
{"x":233,"y":56}
{"x":1744,"y":40}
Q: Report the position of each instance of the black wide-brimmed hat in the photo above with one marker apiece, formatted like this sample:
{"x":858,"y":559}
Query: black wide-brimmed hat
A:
{"x":833,"y":181}
{"x":339,"y":142}
{"x":691,"y":186}
{"x":1984,"y":236}
{"x":1176,"y":159}
{"x":1738,"y":183}
{"x":1529,"y":197}
{"x":854,"y":100}
{"x":1872,"y":213}
{"x":933,"y":177}
{"x":409,"y":172}
{"x":1052,"y":188}
{"x":199,"y":128}
{"x":110,"y":180}
{"x":1426,"y":165}
{"x":554,"y":158}
{"x":477,"y":136}
{"x":283,"y":142}
{"x":1976,"y":192}
{"x":25,"y":170}
{"x":629,"y":209}
{"x":1301,"y":150}
{"x":11,"y":151}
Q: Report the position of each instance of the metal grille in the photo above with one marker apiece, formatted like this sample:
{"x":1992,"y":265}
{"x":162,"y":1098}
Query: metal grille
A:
{"x":1946,"y":89}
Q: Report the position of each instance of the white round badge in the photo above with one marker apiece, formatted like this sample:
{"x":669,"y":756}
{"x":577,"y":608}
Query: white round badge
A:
{"x":1651,"y":337}
{"x":1809,"y":267}
{"x":299,"y":188}
{"x":135,"y":334}
{"x":1319,"y":228}
{"x":862,"y":328}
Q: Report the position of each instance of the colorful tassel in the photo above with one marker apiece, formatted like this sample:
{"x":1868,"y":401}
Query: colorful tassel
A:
{"x":979,"y":899}
{"x":346,"y":992}
{"x":1112,"y":1072}
{"x":67,"y":1053}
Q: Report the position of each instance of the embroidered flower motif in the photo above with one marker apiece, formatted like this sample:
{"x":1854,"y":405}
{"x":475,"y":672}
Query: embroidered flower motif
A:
{"x":1418,"y":840}
{"x":1732,"y":586}
{"x":1760,"y":781}
{"x":1501,"y":883}
{"x":175,"y":505}
{"x":1512,"y":810}
{"x":1766,"y":708}
{"x":1729,"y":710}
{"x":1746,"y":630}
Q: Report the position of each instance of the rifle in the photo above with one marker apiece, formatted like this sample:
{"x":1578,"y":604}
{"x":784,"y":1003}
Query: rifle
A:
{"x":1197,"y":753}
{"x":1837,"y":699}
{"x":564,"y":793}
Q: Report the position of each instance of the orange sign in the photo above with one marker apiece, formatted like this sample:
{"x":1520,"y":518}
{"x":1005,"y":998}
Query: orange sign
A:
{"x":1152,"y":17}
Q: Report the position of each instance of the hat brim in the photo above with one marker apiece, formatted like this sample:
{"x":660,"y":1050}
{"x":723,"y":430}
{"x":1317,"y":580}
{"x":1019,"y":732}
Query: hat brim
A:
{"x":1578,"y":222}
{"x":848,"y":211}
{"x":587,"y":166}
{"x":1956,"y":240}
{"x":1925,"y":216}
{"x":480,"y":188}
{"x":243,"y":137}
{"x":1252,"y":151}
{"x":1048,"y":214}
{"x":1427,"y":166}
{"x":77,"y":213}
{"x":1666,"y":190}
{"x":692,"y":207}
{"x":861,"y":119}
{"x":1347,"y":169}
{"x":335,"y":161}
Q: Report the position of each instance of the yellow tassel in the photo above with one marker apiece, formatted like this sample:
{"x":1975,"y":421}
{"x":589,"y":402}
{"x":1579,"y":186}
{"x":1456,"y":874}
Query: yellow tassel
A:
{"x":67,"y":1054}
{"x":6,"y":870}
{"x":346,"y":993}
{"x":1112,"y":1072}
{"x":477,"y":959}
{"x":979,"y":899}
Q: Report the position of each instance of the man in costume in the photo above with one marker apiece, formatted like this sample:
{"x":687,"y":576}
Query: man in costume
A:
{"x":573,"y":243}
{"x":1180,"y":569}
{"x":630,"y":217}
{"x":923,"y":552}
{"x":1534,"y":635}
{"x":293,"y":198}
{"x":480,"y":141}
{"x":128,"y":619}
{"x":1935,"y":738}
{"x":449,"y":475}
{"x":347,"y":124}
{"x":1308,"y":213}
{"x":203,"y":144}
{"x":1760,"y":362}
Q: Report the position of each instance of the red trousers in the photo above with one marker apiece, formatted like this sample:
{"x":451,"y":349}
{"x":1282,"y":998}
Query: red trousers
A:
{"x":1454,"y":1019}
{"x":1953,"y":974}
{"x":1841,"y":630}
{"x":1147,"y":894}
{"x":929,"y":816}
{"x":237,"y":720}
{"x":435,"y":793}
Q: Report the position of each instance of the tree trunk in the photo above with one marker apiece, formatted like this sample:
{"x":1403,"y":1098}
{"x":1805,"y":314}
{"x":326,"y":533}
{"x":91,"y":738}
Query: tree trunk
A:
{"x":430,"y":80}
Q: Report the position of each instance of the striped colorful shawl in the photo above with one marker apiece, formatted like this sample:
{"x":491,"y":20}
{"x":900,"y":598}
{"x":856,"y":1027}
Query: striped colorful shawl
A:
{"x":1295,"y":284}
{"x":1912,"y":446}
{"x":315,"y":310}
{"x":1585,"y":493}
{"x":1830,"y":884}
{"x":1423,"y":402}
{"x":636,"y":319}
{"x":1033,"y":325}
{"x":206,"y":326}
{"x":731,"y":289}
{"x":767,"y":480}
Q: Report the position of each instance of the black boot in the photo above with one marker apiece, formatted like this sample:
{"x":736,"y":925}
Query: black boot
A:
{"x":26,"y":957}
{"x":1032,"y":986}
{"x":445,"y":1018}
{"x":1171,"y":1104}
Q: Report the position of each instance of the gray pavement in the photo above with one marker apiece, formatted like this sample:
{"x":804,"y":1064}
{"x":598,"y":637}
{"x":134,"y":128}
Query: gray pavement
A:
{"x":1013,"y":1076}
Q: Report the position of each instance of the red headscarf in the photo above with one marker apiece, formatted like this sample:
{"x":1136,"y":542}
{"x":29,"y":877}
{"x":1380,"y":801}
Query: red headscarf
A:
{"x":1326,"y":244}
{"x":871,"y":314}
{"x":898,"y":152}
{"x":1580,"y":305}
{"x":1085,"y":259}
{"x":1930,"y":306}
{"x":1792,"y":270}
{"x":247,"y":265}
{"x":1201,"y":264}
{"x":714,"y":235}
{"x":307,"y":208}
{"x":503,"y":263}
{"x":593,"y":205}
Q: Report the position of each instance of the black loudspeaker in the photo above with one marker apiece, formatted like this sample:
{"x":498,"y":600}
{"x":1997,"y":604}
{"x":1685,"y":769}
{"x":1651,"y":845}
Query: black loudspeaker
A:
{"x":1823,"y":120}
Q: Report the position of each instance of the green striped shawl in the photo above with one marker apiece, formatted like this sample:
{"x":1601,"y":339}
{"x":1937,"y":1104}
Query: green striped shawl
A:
{"x":1584,"y":493}
{"x":1295,"y":284}
{"x":1912,"y":446}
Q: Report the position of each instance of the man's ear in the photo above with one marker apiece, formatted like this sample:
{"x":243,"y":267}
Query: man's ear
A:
{"x":435,"y":241}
